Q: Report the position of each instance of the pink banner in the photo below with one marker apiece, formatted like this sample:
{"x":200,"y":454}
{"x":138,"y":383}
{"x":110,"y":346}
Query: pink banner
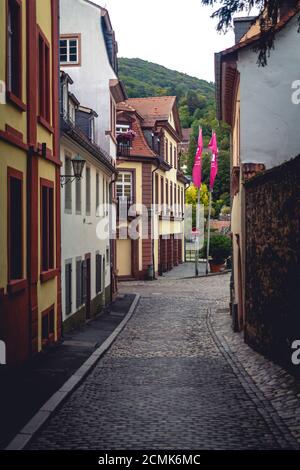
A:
{"x":214,"y":160}
{"x":198,"y":161}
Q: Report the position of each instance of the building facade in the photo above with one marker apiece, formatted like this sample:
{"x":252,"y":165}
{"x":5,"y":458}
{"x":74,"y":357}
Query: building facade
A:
{"x":257,"y":102}
{"x":88,"y":53}
{"x":30,"y":296}
{"x":86,"y":280}
{"x":151,"y":181}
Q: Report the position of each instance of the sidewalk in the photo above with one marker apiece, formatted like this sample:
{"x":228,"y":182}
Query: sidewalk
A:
{"x":277,"y":390}
{"x":24,"y":390}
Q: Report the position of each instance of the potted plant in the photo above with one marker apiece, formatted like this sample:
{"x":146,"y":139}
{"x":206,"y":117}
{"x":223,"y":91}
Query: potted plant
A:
{"x":219,"y":250}
{"x":126,"y":137}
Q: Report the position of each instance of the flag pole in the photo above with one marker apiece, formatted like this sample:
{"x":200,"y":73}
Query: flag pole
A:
{"x":197,"y":235}
{"x":208,"y":226}
{"x":208,"y":231}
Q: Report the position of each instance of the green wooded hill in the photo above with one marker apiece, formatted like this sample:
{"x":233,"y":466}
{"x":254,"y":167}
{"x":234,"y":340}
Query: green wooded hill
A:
{"x":144,"y":78}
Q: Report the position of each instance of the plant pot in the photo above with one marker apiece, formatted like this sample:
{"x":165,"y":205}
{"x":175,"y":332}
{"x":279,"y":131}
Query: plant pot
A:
{"x":216,"y":266}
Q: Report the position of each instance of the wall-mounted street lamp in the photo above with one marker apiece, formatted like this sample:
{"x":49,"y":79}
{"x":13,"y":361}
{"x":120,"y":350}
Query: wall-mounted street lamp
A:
{"x":78,"y":165}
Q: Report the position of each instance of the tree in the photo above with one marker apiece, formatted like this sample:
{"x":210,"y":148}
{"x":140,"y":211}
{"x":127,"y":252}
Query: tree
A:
{"x":267,"y":21}
{"x":191,"y":195}
{"x":193,"y":101}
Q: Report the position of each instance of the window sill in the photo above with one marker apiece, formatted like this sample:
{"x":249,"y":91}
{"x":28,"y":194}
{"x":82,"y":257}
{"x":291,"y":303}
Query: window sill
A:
{"x":16,"y":285}
{"x":47,"y":275}
{"x":45,"y":124}
{"x":16,"y":101}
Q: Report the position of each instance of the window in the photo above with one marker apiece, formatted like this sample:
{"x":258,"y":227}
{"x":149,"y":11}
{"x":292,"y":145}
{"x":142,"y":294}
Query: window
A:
{"x":78,"y":282}
{"x":167,"y":192}
{"x":15,"y":224}
{"x":122,"y":128}
{"x":178,"y":202}
{"x":171,"y":196}
{"x":69,"y":50}
{"x":98,"y":273}
{"x":175,"y":199}
{"x":175,"y":157}
{"x":162,"y":190}
{"x":48,"y":326}
{"x":88,"y":191}
{"x":171,"y":154}
{"x":124,"y":185}
{"x":14,"y":44}
{"x":64,"y":99}
{"x":72,"y":112}
{"x":78,"y":195}
{"x":156,"y":189}
{"x":107,"y":255}
{"x":92,"y":129}
{"x":167,"y":149}
{"x":107,"y":193}
{"x":112,"y":117}
{"x":47,"y":221}
{"x":97,"y":195}
{"x":44,"y":77}
{"x":68,"y":186}
{"x":68,"y":287}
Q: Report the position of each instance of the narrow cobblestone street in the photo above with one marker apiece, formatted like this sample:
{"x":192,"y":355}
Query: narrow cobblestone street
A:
{"x":166,"y":382}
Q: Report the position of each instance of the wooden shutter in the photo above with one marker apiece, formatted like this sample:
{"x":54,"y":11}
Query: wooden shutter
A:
{"x":83,"y":281}
{"x":68,"y":285}
{"x":98,"y":272}
{"x":78,"y":283}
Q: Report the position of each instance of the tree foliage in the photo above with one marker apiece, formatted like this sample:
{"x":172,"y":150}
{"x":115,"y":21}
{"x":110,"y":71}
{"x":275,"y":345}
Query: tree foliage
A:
{"x":226,"y":10}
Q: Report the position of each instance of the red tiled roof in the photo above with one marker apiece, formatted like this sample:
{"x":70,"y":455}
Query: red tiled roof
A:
{"x":139,"y":143}
{"x":154,"y":108}
{"x":246,"y":42}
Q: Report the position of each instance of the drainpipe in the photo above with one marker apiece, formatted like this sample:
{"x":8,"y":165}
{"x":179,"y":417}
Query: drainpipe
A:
{"x":157,"y":161}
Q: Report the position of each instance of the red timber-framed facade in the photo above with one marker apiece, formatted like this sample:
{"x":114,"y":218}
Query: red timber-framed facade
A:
{"x":149,"y":177}
{"x":30,"y":296}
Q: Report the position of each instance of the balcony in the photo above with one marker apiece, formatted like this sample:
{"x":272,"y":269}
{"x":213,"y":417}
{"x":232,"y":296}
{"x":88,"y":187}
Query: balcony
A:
{"x":123,"y":149}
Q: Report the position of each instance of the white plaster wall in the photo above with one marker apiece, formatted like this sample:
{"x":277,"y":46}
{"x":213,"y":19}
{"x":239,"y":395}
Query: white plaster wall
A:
{"x":78,"y":231}
{"x":91,"y":78}
{"x":269,"y":120}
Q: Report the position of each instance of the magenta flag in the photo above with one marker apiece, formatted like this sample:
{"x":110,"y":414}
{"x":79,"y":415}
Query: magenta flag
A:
{"x":198,"y":161}
{"x":213,"y":146}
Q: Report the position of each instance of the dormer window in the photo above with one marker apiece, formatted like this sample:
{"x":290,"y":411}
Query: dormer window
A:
{"x":92,"y":129}
{"x":71,"y":112}
{"x":65,"y":99}
{"x":69,"y":49}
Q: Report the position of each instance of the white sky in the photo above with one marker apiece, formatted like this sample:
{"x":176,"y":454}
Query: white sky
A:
{"x":178,"y":34}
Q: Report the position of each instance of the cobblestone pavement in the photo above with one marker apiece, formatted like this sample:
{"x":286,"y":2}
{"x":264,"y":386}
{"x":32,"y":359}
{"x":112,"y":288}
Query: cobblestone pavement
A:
{"x":166,"y":382}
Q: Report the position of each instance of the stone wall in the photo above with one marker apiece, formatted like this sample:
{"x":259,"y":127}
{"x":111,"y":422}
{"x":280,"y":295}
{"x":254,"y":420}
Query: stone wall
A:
{"x":272,"y":271}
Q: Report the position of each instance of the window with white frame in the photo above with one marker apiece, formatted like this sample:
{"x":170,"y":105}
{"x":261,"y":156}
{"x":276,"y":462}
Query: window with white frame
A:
{"x":69,"y":50}
{"x":124,"y":185}
{"x":122,"y":128}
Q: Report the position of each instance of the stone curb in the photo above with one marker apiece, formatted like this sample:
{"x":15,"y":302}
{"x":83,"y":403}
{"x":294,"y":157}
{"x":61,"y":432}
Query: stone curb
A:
{"x":275,"y":423}
{"x":226,"y":271}
{"x":22,"y":439}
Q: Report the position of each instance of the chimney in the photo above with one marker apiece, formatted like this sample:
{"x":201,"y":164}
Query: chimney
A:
{"x":242,"y":24}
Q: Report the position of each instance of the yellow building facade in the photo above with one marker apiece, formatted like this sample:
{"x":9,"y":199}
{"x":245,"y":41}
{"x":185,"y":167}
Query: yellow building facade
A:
{"x":30,"y":307}
{"x":151,"y":182}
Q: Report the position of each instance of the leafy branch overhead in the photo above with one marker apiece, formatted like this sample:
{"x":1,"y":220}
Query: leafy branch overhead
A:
{"x":269,"y":13}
